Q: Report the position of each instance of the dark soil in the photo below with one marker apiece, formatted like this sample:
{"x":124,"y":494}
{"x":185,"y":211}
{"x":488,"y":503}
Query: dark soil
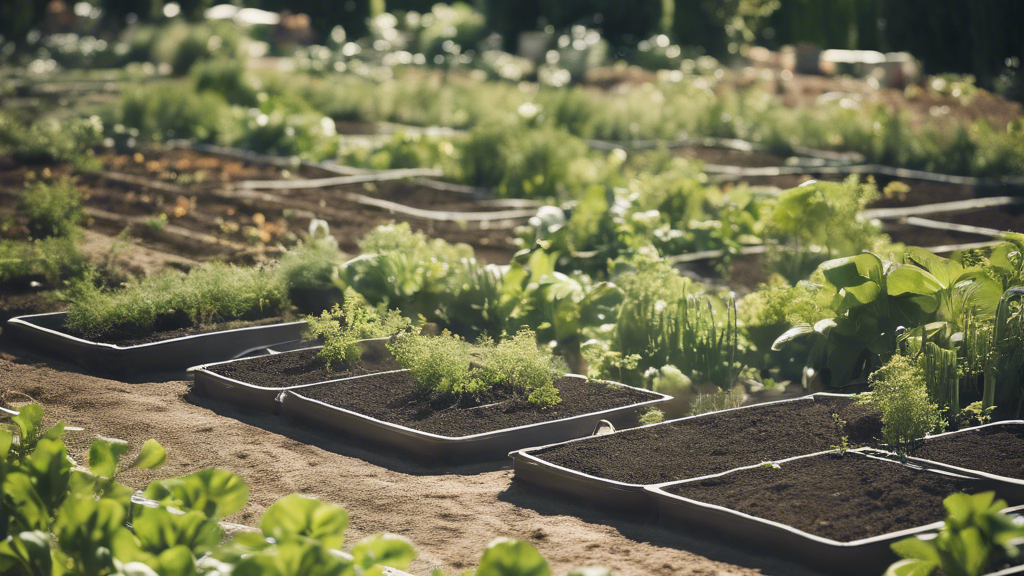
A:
{"x":297,"y":368}
{"x":716,"y":443}
{"x":393,"y":398}
{"x":842,"y":498}
{"x":161,"y":335}
{"x":998,"y":450}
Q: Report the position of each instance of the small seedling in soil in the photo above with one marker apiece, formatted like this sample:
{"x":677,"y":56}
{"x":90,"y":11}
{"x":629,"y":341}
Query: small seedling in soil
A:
{"x":844,"y":440}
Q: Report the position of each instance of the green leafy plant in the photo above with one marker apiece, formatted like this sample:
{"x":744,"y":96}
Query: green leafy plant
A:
{"x":341,"y":329}
{"x":52,"y":209}
{"x":975,"y":539}
{"x":169,"y":300}
{"x":844,"y":440}
{"x":449,"y":366}
{"x":899,"y":392}
{"x":60,"y":518}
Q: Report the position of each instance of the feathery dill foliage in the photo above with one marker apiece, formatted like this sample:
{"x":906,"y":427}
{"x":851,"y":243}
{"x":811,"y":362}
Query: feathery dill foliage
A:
{"x":438,"y":364}
{"x":49,"y":259}
{"x":447,"y":365}
{"x":52,"y":209}
{"x":779,"y":304}
{"x":170,"y":300}
{"x":340,"y":329}
{"x":899,"y":391}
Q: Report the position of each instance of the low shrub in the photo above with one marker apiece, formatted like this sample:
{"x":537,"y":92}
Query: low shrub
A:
{"x":170,"y":300}
{"x":50,"y":260}
{"x":900,"y":393}
{"x":48,"y":142}
{"x":53,"y":209}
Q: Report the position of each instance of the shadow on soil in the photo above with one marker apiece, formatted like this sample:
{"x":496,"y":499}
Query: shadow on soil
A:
{"x":646,"y":528}
{"x":340,"y":443}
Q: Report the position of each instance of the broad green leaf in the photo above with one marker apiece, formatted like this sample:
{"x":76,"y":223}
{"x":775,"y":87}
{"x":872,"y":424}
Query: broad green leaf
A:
{"x":56,"y":432}
{"x":158,"y":529}
{"x":944,"y":270}
{"x":104,"y":455}
{"x":6,"y":439}
{"x":974,"y":549}
{"x":508,"y":557}
{"x":911,"y":567}
{"x":959,"y":509}
{"x":911,"y":280}
{"x":295,"y":516}
{"x":216,"y":493}
{"x":50,"y":469}
{"x":28,"y":420}
{"x":29,"y":550}
{"x":28,"y":511}
{"x":793,"y":333}
{"x":386,"y":550}
{"x":853,"y":270}
{"x":856,"y":295}
{"x":176,"y":561}
{"x":916,"y":548}
{"x":151,"y":456}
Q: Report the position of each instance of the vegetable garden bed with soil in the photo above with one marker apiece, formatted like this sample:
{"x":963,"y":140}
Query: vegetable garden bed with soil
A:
{"x":838,"y":513}
{"x":168,"y":350}
{"x":387,"y":408}
{"x":611,"y":470}
{"x":996,"y":448}
{"x":257,"y":382}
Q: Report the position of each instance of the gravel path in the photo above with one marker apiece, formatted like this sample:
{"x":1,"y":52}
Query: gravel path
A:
{"x":449,"y":513}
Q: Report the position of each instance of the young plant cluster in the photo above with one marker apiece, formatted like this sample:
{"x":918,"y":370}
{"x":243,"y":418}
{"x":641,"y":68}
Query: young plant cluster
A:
{"x":448,"y":366}
{"x":49,"y":212}
{"x":170,"y":300}
{"x":340,"y":329}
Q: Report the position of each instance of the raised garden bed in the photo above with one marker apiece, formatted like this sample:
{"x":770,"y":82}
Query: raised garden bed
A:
{"x":257,"y":382}
{"x":384,"y":409}
{"x":610,"y":471}
{"x":992,"y":451}
{"x":838,"y":514}
{"x":165,"y":352}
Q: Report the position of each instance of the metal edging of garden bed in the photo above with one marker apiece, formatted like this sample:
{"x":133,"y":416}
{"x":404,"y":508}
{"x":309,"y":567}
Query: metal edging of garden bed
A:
{"x":220,"y":387}
{"x":603,"y":492}
{"x":864,"y":556}
{"x":163,"y":355}
{"x":1012,"y":488}
{"x":491,"y":445}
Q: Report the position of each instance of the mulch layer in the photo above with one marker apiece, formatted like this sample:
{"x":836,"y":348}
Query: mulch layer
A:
{"x":843,"y":498}
{"x":393,"y":398}
{"x":716,"y":443}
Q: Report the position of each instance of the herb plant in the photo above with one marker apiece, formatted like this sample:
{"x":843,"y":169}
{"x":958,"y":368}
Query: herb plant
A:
{"x":52,"y":209}
{"x":899,"y":391}
{"x":448,"y":366}
{"x":170,"y":300}
{"x":340,"y":329}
